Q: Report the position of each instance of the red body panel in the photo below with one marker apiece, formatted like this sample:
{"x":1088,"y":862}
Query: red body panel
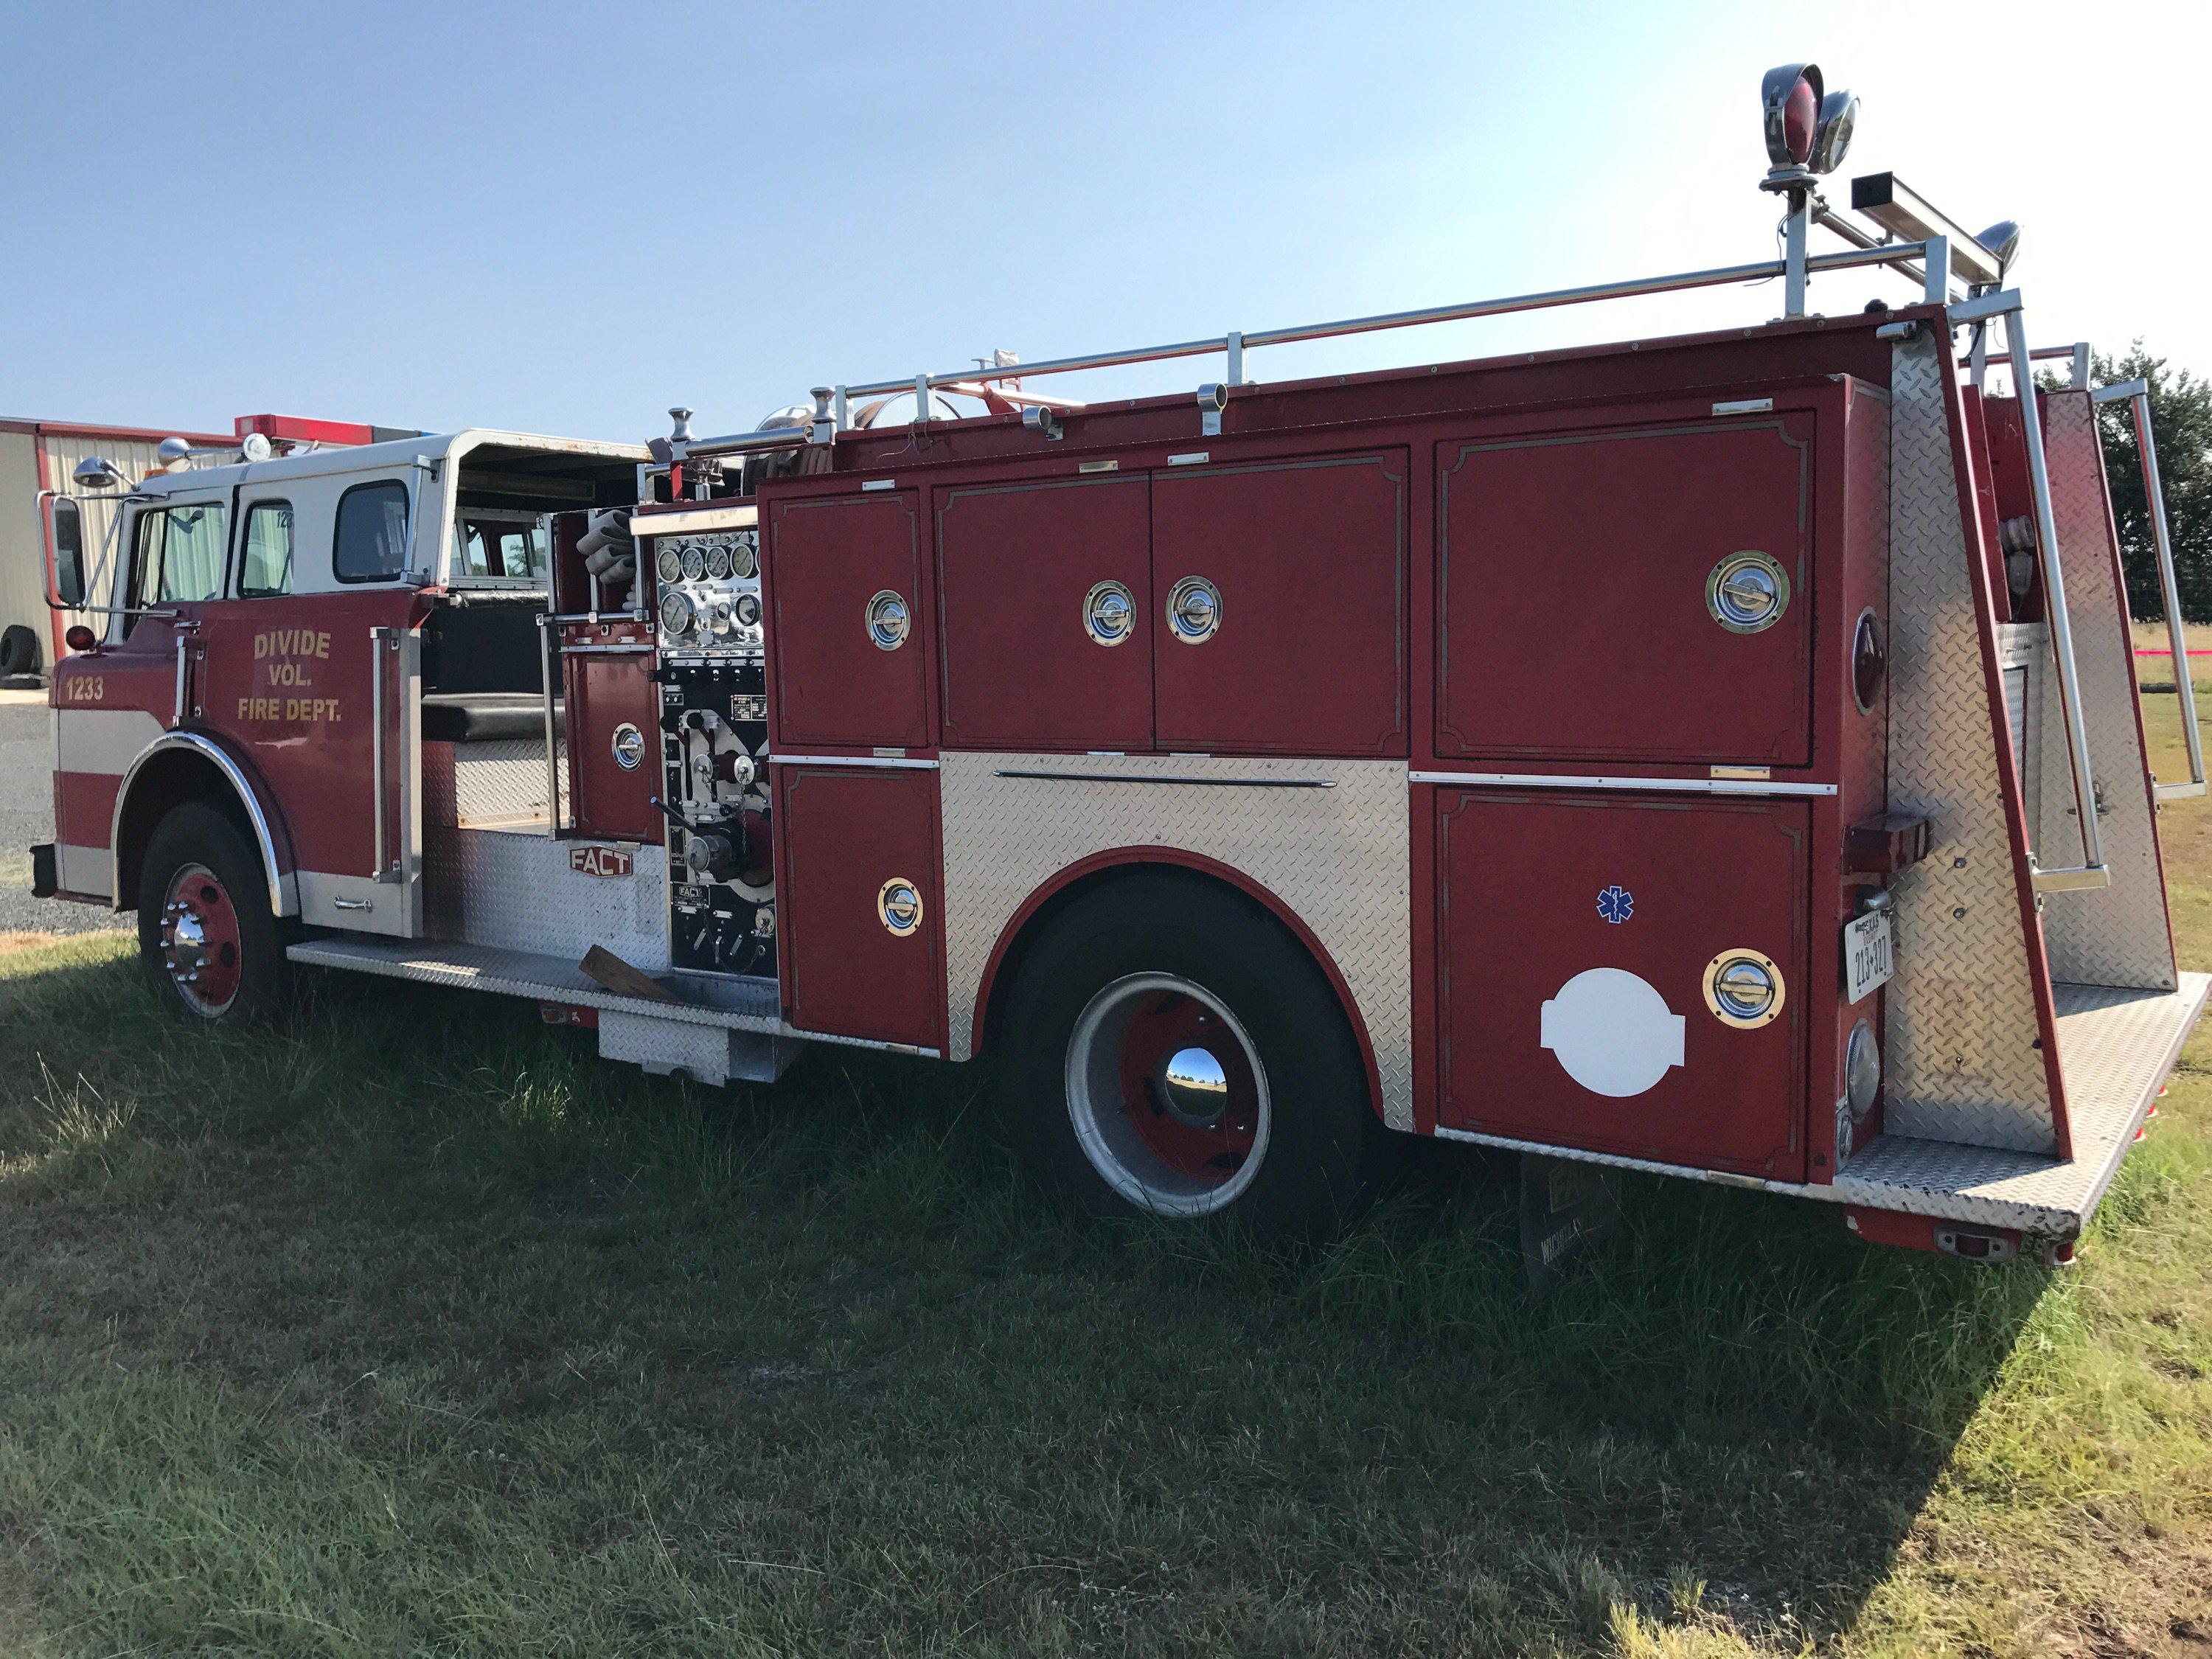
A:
{"x":1015,"y":565}
{"x":287,"y":681}
{"x":1521,"y":917}
{"x":843,"y":832}
{"x":823,"y":561}
{"x":1574,"y":571}
{"x":607,"y":688}
{"x":1311,"y":559}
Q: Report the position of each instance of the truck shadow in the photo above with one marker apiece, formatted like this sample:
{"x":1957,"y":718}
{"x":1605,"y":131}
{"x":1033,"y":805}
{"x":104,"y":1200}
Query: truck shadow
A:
{"x":1729,"y":1393}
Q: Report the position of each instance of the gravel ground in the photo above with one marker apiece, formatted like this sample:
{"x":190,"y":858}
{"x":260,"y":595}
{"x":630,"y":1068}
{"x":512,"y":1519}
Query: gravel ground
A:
{"x":26,"y":816}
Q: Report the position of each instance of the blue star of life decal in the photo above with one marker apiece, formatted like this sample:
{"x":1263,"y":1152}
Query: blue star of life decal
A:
{"x":1616,"y":904}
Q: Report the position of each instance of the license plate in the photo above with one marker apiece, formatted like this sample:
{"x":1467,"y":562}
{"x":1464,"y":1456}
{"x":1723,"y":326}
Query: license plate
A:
{"x":1869,"y":957}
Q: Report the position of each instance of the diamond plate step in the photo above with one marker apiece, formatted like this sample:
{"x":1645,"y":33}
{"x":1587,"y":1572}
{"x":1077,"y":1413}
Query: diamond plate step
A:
{"x":2116,"y":1047}
{"x":735,"y":1005}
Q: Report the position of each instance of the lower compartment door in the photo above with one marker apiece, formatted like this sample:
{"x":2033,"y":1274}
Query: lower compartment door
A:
{"x":860,"y":921}
{"x":1602,"y":958}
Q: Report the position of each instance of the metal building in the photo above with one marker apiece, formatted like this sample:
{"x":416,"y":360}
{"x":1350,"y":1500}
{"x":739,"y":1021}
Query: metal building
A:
{"x":36,"y":455}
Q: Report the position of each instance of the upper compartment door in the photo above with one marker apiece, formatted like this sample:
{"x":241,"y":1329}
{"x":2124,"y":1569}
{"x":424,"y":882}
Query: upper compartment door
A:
{"x":845,"y":640}
{"x":1045,"y":591}
{"x":1579,"y":614}
{"x":1279,"y":606}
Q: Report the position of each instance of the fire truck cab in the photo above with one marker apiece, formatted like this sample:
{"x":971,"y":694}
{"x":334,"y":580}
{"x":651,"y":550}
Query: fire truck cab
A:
{"x":1714,"y":755}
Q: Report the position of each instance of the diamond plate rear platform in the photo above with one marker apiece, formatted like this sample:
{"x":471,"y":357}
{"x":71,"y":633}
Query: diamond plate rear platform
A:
{"x":2116,"y":1047}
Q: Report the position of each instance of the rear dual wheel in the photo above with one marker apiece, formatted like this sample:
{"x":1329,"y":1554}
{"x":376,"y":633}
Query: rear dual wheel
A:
{"x":208,"y":938}
{"x":1173,"y":1051}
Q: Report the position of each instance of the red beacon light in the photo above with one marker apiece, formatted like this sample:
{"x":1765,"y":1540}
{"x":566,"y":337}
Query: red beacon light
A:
{"x":1808,"y":127}
{"x":80,"y":638}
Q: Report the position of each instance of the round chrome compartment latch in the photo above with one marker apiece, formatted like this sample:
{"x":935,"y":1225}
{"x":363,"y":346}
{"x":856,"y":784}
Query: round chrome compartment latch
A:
{"x":1109,"y":614}
{"x":888,"y":620}
{"x":629,"y":747}
{"x":1194,"y":611}
{"x":1747,"y":592}
{"x":898,"y":905}
{"x":1744,"y":989}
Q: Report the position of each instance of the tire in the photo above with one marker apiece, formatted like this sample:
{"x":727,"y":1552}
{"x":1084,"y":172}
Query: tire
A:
{"x":1273,"y":1128}
{"x":19,"y":650}
{"x":212,"y":948}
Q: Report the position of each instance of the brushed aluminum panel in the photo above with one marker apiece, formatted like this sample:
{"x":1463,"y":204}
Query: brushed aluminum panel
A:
{"x":712,"y":1054}
{"x":2114,"y":935}
{"x":1961,"y":1029}
{"x":518,"y":893}
{"x":1338,"y":857}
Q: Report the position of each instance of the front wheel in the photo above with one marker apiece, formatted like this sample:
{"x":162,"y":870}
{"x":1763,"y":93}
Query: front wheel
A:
{"x":1172,"y":1051}
{"x":208,"y":939}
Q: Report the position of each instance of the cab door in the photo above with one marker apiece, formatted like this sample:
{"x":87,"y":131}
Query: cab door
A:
{"x":310,"y":670}
{"x":111,"y":704}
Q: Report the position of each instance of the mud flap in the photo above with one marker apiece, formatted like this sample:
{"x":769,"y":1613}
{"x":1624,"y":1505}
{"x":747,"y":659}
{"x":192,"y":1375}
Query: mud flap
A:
{"x":1566,"y":1207}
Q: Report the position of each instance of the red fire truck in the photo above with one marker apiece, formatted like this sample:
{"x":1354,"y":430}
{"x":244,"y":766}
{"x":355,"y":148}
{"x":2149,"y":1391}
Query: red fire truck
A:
{"x":1714,"y":755}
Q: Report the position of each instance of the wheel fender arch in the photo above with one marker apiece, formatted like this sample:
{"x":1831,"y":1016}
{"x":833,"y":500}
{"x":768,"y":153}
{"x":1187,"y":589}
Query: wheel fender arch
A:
{"x":182,"y":766}
{"x":1036,"y":912}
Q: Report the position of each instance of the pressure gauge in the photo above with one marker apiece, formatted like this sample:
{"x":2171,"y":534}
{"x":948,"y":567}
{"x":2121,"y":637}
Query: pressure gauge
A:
{"x":748,"y":609}
{"x":720,"y":622}
{"x":695,"y":561}
{"x":745,"y":558}
{"x":675,"y":614}
{"x":718,"y":562}
{"x":668,"y":563}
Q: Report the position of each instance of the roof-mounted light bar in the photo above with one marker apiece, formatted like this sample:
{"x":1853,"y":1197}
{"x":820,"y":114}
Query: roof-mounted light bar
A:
{"x":1885,"y":199}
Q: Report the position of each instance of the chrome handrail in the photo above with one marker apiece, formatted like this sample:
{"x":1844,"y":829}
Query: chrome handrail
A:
{"x":1932,"y":253}
{"x":2091,"y":871}
{"x":2137,"y":392}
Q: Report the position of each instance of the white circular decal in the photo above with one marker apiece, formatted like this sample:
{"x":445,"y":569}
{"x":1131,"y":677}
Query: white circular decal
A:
{"x":1611,"y":1031}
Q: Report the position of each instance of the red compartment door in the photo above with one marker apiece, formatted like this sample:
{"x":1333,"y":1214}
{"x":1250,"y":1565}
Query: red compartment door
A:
{"x":1639,"y":895}
{"x":1016,"y":565}
{"x":1309,"y":557}
{"x":1574,"y":610}
{"x":607,"y":672}
{"x":833,"y":686}
{"x":841,"y":833}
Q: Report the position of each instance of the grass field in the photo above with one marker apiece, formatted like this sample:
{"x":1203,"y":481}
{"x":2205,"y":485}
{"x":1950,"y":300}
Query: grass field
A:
{"x":417,"y":1329}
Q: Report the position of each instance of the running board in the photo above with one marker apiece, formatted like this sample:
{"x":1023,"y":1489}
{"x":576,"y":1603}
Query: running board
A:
{"x":728,"y":1005}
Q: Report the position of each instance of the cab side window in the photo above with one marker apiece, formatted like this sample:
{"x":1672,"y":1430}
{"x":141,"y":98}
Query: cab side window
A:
{"x":265,"y":569}
{"x":371,"y":542}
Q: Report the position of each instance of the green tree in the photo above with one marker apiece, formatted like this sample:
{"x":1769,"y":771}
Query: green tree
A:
{"x":2181,"y":425}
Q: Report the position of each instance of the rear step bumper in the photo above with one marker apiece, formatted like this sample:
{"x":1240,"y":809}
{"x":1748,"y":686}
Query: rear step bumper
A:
{"x":2116,"y":1047}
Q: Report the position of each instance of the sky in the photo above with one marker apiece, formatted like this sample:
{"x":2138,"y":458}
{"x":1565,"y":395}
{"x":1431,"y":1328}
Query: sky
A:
{"x":563,"y":218}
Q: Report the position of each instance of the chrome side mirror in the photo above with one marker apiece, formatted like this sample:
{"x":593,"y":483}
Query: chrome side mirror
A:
{"x":98,"y":472}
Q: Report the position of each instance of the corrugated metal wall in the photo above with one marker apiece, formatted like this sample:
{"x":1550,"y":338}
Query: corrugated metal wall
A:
{"x":22,"y":592}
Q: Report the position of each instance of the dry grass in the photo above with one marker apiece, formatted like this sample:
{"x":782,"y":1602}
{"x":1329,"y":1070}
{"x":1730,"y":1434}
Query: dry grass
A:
{"x":416,"y":1329}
